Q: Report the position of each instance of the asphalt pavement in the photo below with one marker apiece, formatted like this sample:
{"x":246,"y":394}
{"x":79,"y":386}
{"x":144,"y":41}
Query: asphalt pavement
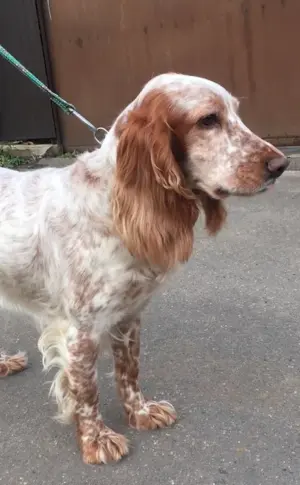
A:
{"x":221,"y":342}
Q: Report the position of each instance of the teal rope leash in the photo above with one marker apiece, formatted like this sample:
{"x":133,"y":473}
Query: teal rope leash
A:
{"x":66,"y":107}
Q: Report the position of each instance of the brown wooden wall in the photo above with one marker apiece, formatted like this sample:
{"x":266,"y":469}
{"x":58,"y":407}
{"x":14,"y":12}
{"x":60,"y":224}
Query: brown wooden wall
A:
{"x":104,"y":51}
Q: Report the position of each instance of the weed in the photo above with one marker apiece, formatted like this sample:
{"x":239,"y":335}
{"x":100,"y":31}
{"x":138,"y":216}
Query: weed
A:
{"x":10,"y":161}
{"x":69,"y":154}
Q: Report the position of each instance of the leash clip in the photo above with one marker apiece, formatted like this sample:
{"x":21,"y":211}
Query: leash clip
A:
{"x":97,"y":133}
{"x":91,"y":127}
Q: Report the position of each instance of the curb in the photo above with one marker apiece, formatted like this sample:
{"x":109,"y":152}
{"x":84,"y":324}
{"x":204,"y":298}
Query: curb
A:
{"x":294,"y":165}
{"x":29,"y":151}
{"x":56,"y":162}
{"x":293,"y":154}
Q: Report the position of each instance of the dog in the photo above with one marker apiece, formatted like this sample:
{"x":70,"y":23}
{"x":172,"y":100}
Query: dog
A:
{"x":83,"y":248}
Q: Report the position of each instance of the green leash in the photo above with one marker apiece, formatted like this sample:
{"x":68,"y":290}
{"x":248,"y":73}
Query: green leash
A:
{"x":66,"y":107}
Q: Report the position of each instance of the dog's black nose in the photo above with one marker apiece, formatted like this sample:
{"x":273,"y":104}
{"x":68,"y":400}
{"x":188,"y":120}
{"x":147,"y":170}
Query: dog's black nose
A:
{"x":277,"y":166}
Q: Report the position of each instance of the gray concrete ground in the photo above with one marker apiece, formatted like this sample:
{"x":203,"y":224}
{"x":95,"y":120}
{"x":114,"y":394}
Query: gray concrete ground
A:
{"x":222,"y":342}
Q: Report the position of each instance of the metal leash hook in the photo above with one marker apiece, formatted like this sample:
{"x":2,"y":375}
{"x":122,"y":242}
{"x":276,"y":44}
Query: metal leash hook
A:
{"x":96,"y":134}
{"x":96,"y":131}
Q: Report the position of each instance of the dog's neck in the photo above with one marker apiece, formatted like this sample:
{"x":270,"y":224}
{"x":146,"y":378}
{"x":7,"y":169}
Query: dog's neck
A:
{"x":98,"y":167}
{"x":104,"y":158}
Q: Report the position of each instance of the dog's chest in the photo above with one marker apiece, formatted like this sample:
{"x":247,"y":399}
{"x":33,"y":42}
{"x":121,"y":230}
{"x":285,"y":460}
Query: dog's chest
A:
{"x":110,"y":283}
{"x":126,"y":293}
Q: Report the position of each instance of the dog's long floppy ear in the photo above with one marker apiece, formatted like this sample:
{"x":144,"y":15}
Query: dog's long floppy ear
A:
{"x":214,"y":211}
{"x":154,"y":211}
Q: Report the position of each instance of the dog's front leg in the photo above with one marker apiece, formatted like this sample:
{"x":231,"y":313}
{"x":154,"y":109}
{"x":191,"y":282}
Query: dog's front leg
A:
{"x":142,"y":414}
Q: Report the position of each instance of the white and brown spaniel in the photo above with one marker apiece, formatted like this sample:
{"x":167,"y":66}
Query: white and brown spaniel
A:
{"x":83,"y":248}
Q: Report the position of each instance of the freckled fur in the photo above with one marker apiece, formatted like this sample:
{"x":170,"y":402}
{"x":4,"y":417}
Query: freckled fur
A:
{"x":83,"y":248}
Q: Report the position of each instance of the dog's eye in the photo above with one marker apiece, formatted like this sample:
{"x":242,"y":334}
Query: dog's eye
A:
{"x":208,"y":122}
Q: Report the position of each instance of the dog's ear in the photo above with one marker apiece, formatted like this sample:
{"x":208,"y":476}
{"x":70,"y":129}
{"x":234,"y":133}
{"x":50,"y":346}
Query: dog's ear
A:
{"x":154,"y":211}
{"x":214,"y":211}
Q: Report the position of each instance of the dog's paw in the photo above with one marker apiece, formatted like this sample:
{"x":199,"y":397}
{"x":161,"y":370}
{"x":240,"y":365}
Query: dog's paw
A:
{"x":11,"y":364}
{"x":153,"y":415}
{"x":104,"y":447}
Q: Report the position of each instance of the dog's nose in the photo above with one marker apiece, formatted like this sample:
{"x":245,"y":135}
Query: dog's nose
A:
{"x":277,"y":166}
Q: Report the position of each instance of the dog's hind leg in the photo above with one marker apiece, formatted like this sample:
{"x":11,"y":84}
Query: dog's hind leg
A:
{"x":11,"y":364}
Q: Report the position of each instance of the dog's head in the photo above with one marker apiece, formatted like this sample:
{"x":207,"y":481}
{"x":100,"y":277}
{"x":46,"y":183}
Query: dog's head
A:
{"x":182,"y":146}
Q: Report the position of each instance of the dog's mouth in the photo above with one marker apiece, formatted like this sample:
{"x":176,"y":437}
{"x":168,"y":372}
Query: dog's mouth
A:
{"x":221,"y":193}
{"x":267,"y":186}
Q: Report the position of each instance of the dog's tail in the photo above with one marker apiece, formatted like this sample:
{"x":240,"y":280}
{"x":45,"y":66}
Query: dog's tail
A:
{"x":11,"y":364}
